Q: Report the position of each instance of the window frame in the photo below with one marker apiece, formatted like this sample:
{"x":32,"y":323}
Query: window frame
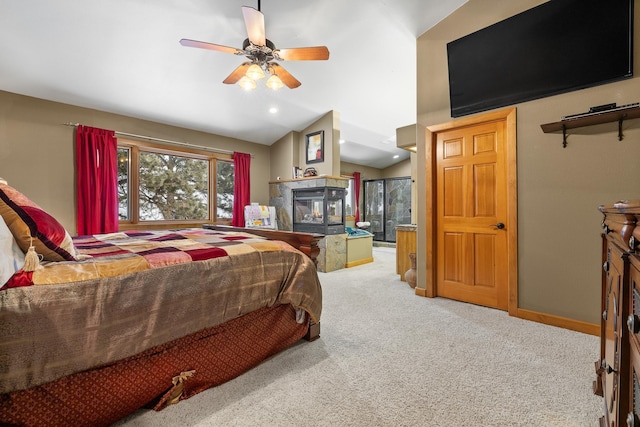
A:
{"x":135,"y":147}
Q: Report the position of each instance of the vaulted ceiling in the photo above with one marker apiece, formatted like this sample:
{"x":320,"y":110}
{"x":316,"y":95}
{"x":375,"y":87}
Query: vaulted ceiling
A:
{"x":124,"y":57}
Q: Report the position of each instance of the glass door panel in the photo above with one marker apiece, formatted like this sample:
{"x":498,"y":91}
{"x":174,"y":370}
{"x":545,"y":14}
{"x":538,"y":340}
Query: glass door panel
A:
{"x":387,"y":203}
{"x":374,"y":207}
{"x":398,"y":205}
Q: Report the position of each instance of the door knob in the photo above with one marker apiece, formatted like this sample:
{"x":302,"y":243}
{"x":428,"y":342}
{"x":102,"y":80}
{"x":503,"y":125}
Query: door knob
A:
{"x":499,"y":225}
{"x":632,"y":324}
{"x":607,"y":368}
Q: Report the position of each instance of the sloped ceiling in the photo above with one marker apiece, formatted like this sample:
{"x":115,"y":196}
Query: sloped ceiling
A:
{"x":123,"y":56}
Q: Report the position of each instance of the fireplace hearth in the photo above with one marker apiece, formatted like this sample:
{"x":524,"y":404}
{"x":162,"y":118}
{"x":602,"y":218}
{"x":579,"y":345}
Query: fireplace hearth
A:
{"x":319,"y":210}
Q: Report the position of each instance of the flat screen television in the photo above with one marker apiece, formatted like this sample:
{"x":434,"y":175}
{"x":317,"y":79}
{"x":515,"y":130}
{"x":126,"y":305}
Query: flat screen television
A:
{"x":556,"y":47}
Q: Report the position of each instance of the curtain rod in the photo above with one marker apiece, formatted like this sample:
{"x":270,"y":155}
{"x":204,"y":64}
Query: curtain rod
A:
{"x":165,"y":141}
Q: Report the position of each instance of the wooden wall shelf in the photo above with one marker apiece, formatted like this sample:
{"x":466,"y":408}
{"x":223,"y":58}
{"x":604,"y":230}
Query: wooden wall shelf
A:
{"x":590,"y":119}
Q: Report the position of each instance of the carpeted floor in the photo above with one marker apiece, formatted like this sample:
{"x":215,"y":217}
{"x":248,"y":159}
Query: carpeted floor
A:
{"x":387,"y":357}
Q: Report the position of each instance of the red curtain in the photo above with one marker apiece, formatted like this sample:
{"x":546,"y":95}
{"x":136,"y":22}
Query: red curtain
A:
{"x":241,"y":187}
{"x":97,"y":175}
{"x":356,"y":189}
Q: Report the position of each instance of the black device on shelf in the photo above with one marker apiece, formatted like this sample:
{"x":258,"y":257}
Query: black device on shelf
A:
{"x":604,"y":107}
{"x":600,"y":109}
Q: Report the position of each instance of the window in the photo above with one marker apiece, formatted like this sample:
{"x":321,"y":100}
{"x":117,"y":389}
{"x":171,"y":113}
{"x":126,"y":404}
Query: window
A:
{"x":160,"y":185}
{"x":224,"y":193}
{"x":350,"y":198}
{"x":124,"y":161}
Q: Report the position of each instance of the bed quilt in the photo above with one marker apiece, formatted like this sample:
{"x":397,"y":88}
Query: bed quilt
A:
{"x":109,"y":255}
{"x":131,"y":291}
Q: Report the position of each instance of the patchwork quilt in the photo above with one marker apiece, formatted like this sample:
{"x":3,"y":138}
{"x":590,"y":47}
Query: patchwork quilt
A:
{"x":108,"y":255}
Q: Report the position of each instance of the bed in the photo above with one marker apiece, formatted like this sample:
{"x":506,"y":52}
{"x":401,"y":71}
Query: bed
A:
{"x":104,"y":325}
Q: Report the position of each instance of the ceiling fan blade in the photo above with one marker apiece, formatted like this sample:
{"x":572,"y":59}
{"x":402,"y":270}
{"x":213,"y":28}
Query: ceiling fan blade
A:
{"x":303,"y":53}
{"x":254,"y":21}
{"x":210,"y":46}
{"x":290,"y":81}
{"x":237,"y":73}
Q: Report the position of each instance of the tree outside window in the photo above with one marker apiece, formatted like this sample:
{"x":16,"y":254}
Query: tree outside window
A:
{"x":124,"y":162}
{"x":224,"y":186}
{"x":173,"y":186}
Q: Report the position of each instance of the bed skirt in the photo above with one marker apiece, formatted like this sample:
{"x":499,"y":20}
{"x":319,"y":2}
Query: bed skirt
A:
{"x":157,"y":377}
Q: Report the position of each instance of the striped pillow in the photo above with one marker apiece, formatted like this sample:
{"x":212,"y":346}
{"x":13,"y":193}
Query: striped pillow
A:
{"x":29,"y":224}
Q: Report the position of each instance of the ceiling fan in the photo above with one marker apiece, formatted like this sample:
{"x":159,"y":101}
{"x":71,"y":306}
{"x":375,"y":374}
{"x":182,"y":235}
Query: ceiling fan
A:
{"x":262,"y":54}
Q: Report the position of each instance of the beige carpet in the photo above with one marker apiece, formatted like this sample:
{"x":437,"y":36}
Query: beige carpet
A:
{"x":387,"y":357}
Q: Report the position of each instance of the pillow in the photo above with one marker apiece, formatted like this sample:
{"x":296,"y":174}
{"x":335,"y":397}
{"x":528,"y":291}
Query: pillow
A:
{"x":29,"y":224}
{"x":11,"y":256}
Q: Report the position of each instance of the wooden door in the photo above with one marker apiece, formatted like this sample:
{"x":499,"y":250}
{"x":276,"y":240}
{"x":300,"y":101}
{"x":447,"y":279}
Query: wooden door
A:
{"x":472,"y":217}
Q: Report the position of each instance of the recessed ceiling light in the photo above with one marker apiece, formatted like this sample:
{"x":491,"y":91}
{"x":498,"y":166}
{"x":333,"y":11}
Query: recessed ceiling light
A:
{"x":341,"y":141}
{"x":273,"y":110}
{"x":396,"y":156}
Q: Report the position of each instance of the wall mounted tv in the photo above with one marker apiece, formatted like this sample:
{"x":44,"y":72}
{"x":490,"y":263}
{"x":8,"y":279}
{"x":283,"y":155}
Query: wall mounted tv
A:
{"x":556,"y":47}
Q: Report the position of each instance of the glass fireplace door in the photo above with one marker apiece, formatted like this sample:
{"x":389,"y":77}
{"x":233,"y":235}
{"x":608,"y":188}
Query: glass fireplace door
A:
{"x":387,"y":203}
{"x":318,"y":210}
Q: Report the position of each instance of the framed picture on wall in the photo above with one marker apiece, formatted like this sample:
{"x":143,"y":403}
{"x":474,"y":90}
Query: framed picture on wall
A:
{"x":315,"y":147}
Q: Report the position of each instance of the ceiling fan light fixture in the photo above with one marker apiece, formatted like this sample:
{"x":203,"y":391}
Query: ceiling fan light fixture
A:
{"x":255,"y":72}
{"x":246,"y":83}
{"x":274,"y":82}
{"x":261,"y":53}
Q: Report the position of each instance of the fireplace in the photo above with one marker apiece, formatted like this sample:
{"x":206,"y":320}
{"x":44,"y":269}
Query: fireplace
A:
{"x":318,"y":210}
